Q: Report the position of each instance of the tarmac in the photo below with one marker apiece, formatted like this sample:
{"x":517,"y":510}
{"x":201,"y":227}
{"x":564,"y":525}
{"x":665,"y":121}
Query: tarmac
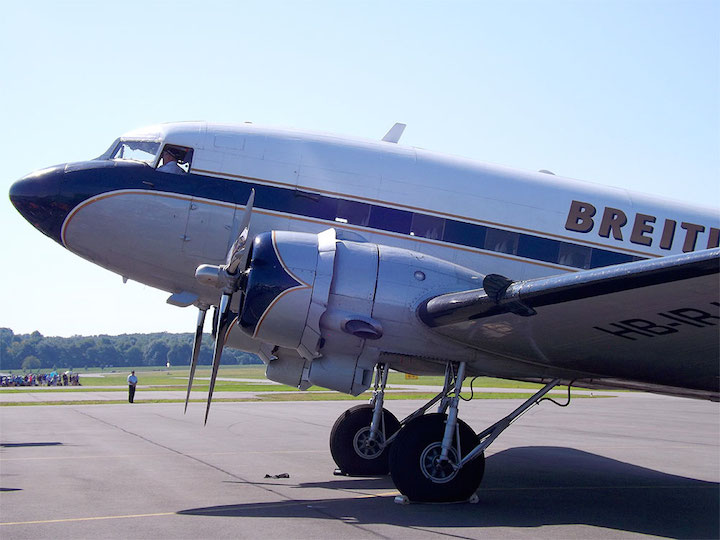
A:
{"x":623,"y":467}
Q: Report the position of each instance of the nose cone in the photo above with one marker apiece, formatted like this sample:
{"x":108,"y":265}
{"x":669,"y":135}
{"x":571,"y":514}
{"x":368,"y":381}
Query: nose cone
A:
{"x":36,"y":197}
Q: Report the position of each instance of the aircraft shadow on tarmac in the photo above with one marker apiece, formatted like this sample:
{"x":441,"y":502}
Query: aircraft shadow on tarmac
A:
{"x":528,"y":487}
{"x":24,"y":445}
{"x":29,"y":444}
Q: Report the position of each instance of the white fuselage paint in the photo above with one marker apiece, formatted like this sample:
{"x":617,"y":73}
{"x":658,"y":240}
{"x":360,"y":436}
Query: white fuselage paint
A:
{"x":160,"y":238}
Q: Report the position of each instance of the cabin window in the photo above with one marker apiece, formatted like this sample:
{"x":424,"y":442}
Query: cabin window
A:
{"x":427,"y":226}
{"x":540,"y":249}
{"x":601,"y":257}
{"x":572,"y":255}
{"x":465,"y":234}
{"x":353,"y":212}
{"x":175,"y":159}
{"x":308,"y":204}
{"x":501,"y":241}
{"x":301,"y":203}
{"x":144,"y":151}
{"x":390,"y":219}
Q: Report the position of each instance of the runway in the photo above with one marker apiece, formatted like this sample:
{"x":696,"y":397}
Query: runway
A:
{"x":602,"y":468}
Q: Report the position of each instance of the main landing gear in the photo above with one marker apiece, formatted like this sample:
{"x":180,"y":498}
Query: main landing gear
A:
{"x":433,"y":457}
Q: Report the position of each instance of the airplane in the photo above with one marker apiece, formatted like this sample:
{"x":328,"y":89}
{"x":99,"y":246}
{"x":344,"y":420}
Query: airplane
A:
{"x":336,"y":259}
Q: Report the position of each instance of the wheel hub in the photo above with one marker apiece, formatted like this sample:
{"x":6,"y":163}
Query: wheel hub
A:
{"x":365,"y":447}
{"x":434,"y":467}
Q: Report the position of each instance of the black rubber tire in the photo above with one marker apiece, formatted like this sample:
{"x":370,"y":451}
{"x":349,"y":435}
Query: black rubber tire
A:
{"x":406,"y":462}
{"x":347,"y":427}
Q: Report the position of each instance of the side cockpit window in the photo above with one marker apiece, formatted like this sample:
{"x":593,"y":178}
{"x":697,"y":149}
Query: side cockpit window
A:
{"x":144,"y":151}
{"x":175,"y":159}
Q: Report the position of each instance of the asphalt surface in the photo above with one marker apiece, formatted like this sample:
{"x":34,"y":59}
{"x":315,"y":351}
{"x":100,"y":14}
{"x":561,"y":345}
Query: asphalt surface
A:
{"x":622,"y":467}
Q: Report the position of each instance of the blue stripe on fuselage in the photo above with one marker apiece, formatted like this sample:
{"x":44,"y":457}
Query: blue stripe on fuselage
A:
{"x":88,"y":179}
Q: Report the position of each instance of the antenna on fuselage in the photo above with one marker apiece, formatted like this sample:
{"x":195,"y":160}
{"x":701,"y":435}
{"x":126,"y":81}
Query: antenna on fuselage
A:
{"x":395,"y":132}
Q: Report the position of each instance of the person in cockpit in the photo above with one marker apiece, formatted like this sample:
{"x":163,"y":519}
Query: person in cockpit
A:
{"x":169,"y":159}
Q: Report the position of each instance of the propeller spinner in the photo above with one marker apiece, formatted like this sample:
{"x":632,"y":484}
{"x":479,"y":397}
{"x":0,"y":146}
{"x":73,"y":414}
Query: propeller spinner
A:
{"x":228,"y":279}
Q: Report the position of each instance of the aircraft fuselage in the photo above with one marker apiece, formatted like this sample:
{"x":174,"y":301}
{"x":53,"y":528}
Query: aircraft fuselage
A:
{"x":155,"y":227}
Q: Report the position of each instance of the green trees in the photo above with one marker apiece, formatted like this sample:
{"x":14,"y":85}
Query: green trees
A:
{"x":30,"y":363}
{"x":34,"y":351}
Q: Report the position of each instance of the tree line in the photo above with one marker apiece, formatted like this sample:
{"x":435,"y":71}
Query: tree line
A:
{"x":30,"y":352}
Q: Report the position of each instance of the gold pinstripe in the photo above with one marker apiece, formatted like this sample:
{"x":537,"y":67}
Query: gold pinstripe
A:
{"x":302,"y":286}
{"x":219,"y":174}
{"x":337,"y":225}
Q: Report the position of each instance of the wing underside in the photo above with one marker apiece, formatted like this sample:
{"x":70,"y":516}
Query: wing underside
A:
{"x":650,"y":324}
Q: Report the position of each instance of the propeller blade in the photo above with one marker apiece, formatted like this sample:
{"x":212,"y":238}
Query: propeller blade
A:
{"x":227,"y":278}
{"x":220,"y":333}
{"x":196,"y":350}
{"x":236,"y":254}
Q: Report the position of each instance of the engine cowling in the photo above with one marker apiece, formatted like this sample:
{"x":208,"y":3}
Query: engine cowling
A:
{"x":326,"y":308}
{"x":287,"y":272}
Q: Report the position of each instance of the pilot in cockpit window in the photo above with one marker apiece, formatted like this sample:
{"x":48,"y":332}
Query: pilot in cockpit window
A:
{"x":175,"y":159}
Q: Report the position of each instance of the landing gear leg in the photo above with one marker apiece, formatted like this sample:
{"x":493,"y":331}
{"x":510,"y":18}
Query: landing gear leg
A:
{"x":425,"y":455}
{"x":438,"y":457}
{"x":358,"y":440}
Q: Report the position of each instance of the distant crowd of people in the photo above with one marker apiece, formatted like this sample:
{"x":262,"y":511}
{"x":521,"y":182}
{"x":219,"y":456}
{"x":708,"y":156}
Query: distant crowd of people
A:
{"x":41,"y":379}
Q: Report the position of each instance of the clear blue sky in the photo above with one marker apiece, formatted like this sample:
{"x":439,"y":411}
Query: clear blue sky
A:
{"x":623,"y":93}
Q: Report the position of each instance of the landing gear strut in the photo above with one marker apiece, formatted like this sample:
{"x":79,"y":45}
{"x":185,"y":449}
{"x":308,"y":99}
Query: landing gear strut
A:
{"x":358,"y":440}
{"x":437,"y":457}
{"x":425,"y":456}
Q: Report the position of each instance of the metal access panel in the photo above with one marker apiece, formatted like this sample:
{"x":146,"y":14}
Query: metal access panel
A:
{"x":209,"y":228}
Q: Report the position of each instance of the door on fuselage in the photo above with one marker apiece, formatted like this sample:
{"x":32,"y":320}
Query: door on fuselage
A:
{"x":209,"y":223}
{"x":210,"y":228}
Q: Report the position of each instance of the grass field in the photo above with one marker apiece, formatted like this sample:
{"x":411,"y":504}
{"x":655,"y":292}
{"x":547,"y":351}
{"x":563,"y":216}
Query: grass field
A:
{"x":277,"y":396}
{"x":249,"y":379}
{"x":177,"y":377}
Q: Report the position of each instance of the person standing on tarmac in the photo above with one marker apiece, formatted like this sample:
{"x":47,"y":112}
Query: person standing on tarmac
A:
{"x":132,"y":383}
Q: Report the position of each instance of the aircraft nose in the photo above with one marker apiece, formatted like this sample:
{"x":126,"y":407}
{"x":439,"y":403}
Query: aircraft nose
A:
{"x":39,"y":184}
{"x":35,"y":196}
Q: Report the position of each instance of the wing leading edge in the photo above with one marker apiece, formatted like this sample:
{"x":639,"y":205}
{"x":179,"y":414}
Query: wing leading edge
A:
{"x":653,"y":322}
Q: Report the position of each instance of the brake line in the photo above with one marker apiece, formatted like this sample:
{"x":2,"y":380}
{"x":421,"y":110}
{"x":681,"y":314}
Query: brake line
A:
{"x":472,"y":394}
{"x":555,"y":402}
{"x":471,"y":390}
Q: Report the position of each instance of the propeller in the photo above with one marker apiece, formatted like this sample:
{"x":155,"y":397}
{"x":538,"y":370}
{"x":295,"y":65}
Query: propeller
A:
{"x":227,"y":278}
{"x":197,"y":341}
{"x":221,"y":335}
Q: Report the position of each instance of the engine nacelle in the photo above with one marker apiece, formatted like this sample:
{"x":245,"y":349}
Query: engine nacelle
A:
{"x":287,"y":273}
{"x":328,"y":308}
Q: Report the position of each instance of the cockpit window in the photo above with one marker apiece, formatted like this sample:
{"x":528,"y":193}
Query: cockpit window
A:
{"x":107,"y":154}
{"x":136,"y":150}
{"x":175,"y":159}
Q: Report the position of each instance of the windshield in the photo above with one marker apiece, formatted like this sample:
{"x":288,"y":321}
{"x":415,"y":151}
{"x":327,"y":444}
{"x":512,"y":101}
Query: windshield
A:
{"x":136,"y":150}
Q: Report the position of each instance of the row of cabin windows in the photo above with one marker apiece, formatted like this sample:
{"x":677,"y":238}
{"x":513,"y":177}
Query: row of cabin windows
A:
{"x":423,"y":225}
{"x":426,"y":226}
{"x":437,"y":228}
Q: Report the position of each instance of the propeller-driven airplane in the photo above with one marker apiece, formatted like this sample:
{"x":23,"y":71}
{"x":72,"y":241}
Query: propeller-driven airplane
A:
{"x":337,"y":259}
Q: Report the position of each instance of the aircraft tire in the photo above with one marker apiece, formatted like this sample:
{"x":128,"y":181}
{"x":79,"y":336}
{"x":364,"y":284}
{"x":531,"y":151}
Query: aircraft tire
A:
{"x":347,"y":435}
{"x":417,"y":475}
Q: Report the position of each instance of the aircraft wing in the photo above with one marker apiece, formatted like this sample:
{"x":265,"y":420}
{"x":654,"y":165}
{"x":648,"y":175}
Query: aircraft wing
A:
{"x":653,"y":322}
